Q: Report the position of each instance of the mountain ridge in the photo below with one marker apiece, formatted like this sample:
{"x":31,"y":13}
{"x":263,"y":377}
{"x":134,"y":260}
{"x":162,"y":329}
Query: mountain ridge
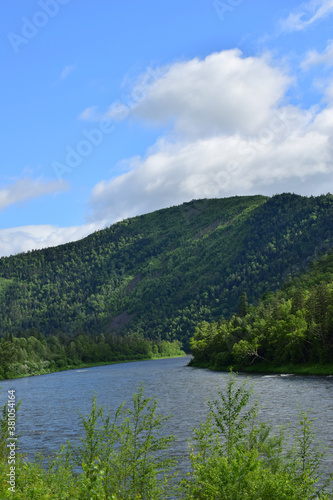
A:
{"x":158,"y":275}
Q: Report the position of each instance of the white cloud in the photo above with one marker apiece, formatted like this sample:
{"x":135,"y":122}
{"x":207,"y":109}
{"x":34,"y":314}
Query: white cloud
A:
{"x":306,"y":15}
{"x":218,"y":166}
{"x":90,"y":113}
{"x":28,"y":189}
{"x":117,"y":111}
{"x":314,"y":58}
{"x":232,"y":135}
{"x":67,"y":71}
{"x":329,"y":91}
{"x":224,"y":93}
{"x":22,"y":239}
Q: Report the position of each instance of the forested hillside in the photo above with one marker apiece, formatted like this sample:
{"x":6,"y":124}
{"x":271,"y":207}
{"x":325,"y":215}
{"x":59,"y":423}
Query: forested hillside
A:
{"x":291,"y":327}
{"x":157,"y":276}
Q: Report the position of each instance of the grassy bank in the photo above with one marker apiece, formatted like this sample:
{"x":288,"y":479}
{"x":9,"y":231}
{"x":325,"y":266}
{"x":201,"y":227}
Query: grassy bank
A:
{"x":308,"y":369}
{"x":269,"y":368}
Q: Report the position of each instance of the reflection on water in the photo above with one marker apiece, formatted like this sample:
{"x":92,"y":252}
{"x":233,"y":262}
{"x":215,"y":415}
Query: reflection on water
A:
{"x":50,"y":403}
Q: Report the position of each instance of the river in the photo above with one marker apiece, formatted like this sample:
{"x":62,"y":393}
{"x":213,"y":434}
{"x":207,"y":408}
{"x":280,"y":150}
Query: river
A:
{"x":48,"y":414}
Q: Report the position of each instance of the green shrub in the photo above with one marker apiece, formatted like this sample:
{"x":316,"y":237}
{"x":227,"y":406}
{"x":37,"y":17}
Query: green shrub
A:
{"x":233,"y":457}
{"x":124,"y":456}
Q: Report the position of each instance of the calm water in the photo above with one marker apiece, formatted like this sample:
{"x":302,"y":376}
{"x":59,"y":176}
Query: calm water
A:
{"x":48,"y":416}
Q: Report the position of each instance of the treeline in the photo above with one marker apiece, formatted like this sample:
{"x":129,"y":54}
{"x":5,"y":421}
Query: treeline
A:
{"x":127,"y":455}
{"x":293,"y":326}
{"x":158,"y":275}
{"x":32,"y":353}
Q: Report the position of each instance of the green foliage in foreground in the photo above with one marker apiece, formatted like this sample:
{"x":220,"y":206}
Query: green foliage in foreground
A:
{"x":124,"y":456}
{"x":235,"y":458}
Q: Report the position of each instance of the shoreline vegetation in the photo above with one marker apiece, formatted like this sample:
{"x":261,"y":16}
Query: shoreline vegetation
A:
{"x":32,"y":353}
{"x":92,"y":365}
{"x":287,"y":331}
{"x":124,"y":454}
{"x":267,"y":369}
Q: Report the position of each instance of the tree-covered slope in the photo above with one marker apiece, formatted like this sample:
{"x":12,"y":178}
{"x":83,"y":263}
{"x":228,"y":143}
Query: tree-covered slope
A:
{"x":291,"y":327}
{"x":158,"y":275}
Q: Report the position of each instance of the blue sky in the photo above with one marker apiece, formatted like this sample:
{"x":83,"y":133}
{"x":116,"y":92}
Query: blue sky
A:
{"x":114,"y":109}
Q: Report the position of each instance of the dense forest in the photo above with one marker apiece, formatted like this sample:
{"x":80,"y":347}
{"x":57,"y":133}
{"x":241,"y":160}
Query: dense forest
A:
{"x":129,"y":289}
{"x":293,"y":326}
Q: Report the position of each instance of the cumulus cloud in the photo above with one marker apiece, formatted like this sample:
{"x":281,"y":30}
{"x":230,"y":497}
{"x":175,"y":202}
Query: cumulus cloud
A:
{"x":28,"y":189}
{"x":306,"y":15}
{"x":232,"y":134}
{"x":22,"y":239}
{"x":220,"y":166}
{"x":314,"y":58}
{"x":223,"y":93}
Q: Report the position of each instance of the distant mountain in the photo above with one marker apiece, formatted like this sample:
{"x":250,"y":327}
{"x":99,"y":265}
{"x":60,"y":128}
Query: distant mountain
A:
{"x":158,"y":275}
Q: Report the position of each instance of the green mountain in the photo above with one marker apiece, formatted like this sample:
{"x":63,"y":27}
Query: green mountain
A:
{"x":157,"y":276}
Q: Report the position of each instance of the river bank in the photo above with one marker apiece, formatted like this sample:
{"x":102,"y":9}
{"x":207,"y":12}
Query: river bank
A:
{"x":81,"y":366}
{"x":269,"y":368}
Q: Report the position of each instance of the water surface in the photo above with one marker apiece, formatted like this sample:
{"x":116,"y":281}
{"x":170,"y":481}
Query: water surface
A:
{"x":48,"y":415}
